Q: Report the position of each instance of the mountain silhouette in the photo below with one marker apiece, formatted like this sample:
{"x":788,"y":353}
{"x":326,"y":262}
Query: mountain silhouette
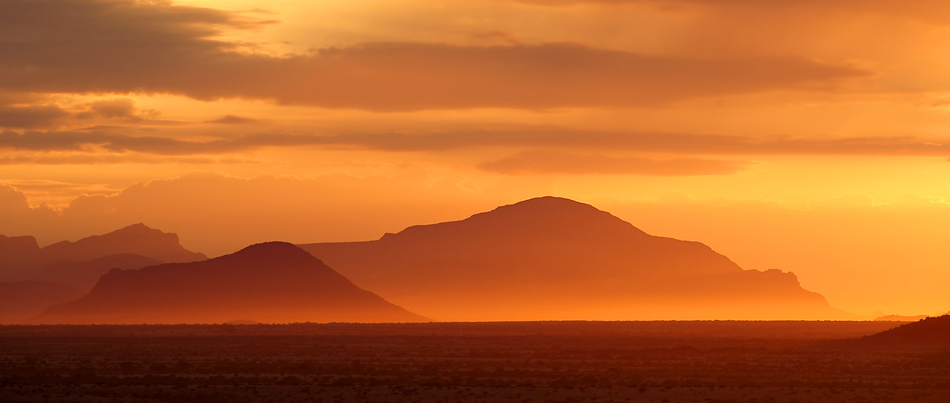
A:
{"x":37,"y":278}
{"x":23,"y":299}
{"x":17,"y":253}
{"x":553,"y":258}
{"x":83,"y":275}
{"x":135,"y":239}
{"x":269,"y":282}
{"x":932,"y":332}
{"x":22,"y":259}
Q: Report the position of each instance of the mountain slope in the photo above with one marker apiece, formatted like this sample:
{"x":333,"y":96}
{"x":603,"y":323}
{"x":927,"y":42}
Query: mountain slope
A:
{"x":38,"y":278}
{"x":554,"y":258}
{"x":270,"y":282}
{"x":83,"y":275}
{"x":23,"y":299}
{"x":931,"y":333}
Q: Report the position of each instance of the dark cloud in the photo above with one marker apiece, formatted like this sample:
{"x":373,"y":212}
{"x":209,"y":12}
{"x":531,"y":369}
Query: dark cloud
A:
{"x":932,"y":11}
{"x":114,"y":108}
{"x":234,"y":120}
{"x":102,"y":46}
{"x":656,"y":142}
{"x":29,"y":117}
{"x":106,"y":159}
{"x":525,"y":139}
{"x":534,"y":162}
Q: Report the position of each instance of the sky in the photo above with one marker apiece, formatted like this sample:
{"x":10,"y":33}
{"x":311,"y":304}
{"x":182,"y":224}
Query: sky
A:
{"x":802,"y":135}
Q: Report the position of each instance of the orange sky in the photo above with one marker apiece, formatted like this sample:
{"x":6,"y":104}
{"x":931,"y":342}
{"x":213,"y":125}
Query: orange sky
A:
{"x":807,"y":135}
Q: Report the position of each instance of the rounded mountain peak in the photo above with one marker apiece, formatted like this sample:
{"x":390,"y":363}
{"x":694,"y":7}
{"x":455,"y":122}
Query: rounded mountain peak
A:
{"x":546,"y":217}
{"x":552,"y":204}
{"x":551,"y":210}
{"x":273,"y":251}
{"x":137,"y":229}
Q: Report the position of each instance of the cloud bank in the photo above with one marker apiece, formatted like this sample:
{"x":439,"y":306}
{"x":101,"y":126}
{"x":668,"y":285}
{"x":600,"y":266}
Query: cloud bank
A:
{"x":123,"y":46}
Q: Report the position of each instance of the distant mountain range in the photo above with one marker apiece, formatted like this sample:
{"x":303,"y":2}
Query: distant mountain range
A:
{"x":270,"y":282}
{"x":541,"y":259}
{"x":551,"y":258}
{"x":22,"y":259}
{"x":23,"y":299}
{"x":33,"y":278}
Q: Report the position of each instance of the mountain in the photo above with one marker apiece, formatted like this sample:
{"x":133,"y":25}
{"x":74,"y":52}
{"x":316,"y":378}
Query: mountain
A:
{"x":83,"y":275}
{"x":931,"y":332}
{"x":135,"y":239}
{"x":23,"y":299}
{"x":38,"y":278}
{"x":16,"y":254}
{"x":22,"y":259}
{"x":551,"y":258}
{"x":269,"y":282}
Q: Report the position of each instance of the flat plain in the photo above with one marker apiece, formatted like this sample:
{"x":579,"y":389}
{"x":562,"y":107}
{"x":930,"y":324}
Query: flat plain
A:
{"x":703,"y":361}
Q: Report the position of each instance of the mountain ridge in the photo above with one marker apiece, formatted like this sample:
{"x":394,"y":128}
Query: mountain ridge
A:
{"x":560,"y":259}
{"x":267,"y":282}
{"x":37,"y":278}
{"x":22,"y":259}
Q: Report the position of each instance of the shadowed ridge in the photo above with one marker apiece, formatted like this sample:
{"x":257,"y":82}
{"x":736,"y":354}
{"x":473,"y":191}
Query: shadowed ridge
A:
{"x":551,"y":258}
{"x":23,"y":299}
{"x":17,"y":245}
{"x":83,"y":275}
{"x":269,"y":282}
{"x":136,"y":239}
{"x":75,"y":267}
{"x":273,"y":253}
{"x":17,"y":253}
{"x":931,"y":332}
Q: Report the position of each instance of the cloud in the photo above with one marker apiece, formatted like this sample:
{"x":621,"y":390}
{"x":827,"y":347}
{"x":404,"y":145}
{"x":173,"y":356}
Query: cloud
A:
{"x":28,"y":111}
{"x":104,"y":159}
{"x":30,"y":117}
{"x":931,"y":11}
{"x":114,"y":108}
{"x":533,"y":162}
{"x":526,"y":138}
{"x":662,"y":142}
{"x":234,"y":120}
{"x":12,"y":201}
{"x":122,"y":46}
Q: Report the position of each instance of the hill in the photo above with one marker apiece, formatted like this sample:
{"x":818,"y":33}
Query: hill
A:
{"x":928,"y":333}
{"x":551,"y":258}
{"x":37,"y":278}
{"x":270,"y":282}
{"x":83,"y":275}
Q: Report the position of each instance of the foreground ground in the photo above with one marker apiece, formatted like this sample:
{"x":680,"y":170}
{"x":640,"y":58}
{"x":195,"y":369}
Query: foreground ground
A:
{"x":475,"y":362}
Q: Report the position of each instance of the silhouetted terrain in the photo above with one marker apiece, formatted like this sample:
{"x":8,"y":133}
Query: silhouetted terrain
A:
{"x":41,"y":277}
{"x":269,"y":282}
{"x":932,"y":332}
{"x":22,"y":259}
{"x":715,"y":361}
{"x":23,"y":299}
{"x":135,"y":239}
{"x":84,"y":275}
{"x":899,"y":318}
{"x":17,"y":253}
{"x":553,"y":258}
